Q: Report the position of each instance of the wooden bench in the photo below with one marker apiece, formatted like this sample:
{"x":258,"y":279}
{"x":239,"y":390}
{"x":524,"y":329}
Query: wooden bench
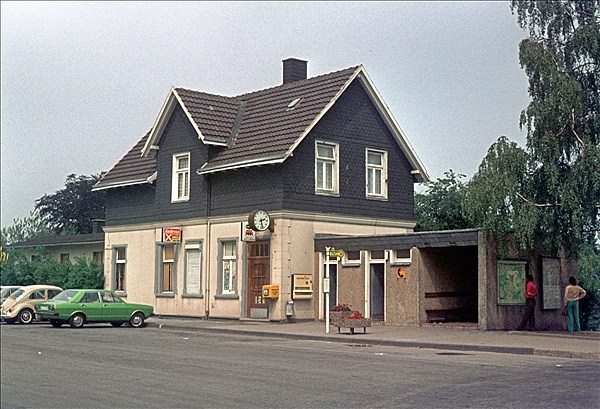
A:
{"x":450,"y":314}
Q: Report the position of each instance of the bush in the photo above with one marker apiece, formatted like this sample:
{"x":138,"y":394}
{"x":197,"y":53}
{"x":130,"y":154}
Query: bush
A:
{"x":589,"y":280}
{"x":19,"y":270}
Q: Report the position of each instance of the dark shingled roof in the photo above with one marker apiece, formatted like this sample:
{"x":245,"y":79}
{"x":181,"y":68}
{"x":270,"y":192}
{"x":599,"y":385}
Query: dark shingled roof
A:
{"x":130,"y":170}
{"x":446,"y":238}
{"x":49,"y":241}
{"x":256,"y":128}
{"x":269,"y":129}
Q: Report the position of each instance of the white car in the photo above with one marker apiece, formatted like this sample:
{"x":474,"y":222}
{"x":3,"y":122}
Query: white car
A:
{"x":20,"y":305}
{"x":7,"y":290}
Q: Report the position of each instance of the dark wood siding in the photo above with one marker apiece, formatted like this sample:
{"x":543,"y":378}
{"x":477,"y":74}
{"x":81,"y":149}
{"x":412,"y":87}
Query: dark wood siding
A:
{"x":244,"y":190}
{"x":144,"y":203}
{"x":353,"y":123}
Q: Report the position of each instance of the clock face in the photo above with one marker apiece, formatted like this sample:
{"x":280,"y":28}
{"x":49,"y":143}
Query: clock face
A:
{"x":261,"y":220}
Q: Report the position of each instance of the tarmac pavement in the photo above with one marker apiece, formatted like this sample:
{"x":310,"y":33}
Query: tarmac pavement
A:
{"x":582,"y":345}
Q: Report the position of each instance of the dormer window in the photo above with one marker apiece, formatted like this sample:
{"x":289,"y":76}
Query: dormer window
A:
{"x":181,"y":178}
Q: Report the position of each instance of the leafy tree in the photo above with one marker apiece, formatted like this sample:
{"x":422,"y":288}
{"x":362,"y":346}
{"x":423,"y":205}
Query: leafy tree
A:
{"x":72,"y":209}
{"x":561,"y":58}
{"x":589,"y":278}
{"x":24,"y":229}
{"x":491,"y":199}
{"x":440,"y":207}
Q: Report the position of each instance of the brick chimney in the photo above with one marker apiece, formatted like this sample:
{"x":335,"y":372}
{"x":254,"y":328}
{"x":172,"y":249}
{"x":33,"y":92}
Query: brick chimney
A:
{"x":294,"y":70}
{"x":97,"y":225}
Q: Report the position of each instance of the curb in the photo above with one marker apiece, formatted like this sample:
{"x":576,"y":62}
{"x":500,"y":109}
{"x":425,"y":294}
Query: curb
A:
{"x":403,"y":344}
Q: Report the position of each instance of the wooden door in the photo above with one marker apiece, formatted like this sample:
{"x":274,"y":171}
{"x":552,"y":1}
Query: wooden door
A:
{"x":259,"y":274}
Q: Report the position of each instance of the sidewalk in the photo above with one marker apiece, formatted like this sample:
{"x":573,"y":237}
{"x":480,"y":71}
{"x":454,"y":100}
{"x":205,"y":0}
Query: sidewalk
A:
{"x":583,"y":345}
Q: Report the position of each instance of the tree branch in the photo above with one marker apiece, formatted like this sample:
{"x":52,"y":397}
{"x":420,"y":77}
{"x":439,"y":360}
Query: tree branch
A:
{"x":538,"y":204}
{"x":573,"y":129}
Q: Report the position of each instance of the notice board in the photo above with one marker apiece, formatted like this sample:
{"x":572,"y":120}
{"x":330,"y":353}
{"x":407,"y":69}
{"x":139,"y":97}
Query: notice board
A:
{"x":551,"y":283}
{"x":511,"y":282}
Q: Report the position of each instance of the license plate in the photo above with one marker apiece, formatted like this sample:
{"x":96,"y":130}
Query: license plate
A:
{"x":44,"y":308}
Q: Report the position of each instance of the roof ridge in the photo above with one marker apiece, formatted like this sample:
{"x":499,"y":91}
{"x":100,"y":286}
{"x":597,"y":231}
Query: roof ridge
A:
{"x":301,"y":82}
{"x":208,"y":94}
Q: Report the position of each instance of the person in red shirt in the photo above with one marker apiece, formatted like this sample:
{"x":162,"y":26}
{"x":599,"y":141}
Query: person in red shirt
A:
{"x":529,"y":313}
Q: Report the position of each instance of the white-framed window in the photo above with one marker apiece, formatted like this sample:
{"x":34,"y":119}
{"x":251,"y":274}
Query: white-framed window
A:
{"x":119,"y":267}
{"x":167,"y":276}
{"x":98,"y":257}
{"x":326,"y":167}
{"x":351,"y":258}
{"x":228,"y":261}
{"x":193,"y":269}
{"x":378,"y":255}
{"x":376,"y":173}
{"x":401,"y":257}
{"x":181,"y":178}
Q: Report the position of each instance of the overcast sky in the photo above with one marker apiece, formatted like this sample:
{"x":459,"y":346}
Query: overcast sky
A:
{"x":83,"y":82}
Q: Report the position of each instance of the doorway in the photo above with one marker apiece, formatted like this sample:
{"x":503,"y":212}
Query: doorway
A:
{"x":259,"y":274}
{"x":377,"y":291}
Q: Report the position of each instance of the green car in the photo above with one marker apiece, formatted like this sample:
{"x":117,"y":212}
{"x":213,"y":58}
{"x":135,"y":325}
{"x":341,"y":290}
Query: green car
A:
{"x":78,"y":307}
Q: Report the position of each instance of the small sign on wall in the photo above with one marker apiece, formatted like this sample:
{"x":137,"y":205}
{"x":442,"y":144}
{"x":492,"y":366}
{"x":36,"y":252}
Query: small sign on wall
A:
{"x":247,"y":233}
{"x":171,"y":234}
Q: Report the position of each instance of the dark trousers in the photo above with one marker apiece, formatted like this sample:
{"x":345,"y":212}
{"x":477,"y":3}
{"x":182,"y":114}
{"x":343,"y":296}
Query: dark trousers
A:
{"x":528,"y":315}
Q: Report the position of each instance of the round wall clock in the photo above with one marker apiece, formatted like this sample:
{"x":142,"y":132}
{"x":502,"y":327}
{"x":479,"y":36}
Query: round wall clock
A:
{"x":259,"y":220}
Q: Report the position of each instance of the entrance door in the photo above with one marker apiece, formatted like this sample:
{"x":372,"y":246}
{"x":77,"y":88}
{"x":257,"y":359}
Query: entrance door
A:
{"x":377,"y":291}
{"x":259,"y":274}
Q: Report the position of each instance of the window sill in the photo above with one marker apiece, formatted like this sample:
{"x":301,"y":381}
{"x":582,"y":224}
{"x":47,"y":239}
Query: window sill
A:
{"x":379,"y":198}
{"x":227,"y":296}
{"x":400,"y":263}
{"x":192,"y":296}
{"x":165,"y":295}
{"x":325,"y":193}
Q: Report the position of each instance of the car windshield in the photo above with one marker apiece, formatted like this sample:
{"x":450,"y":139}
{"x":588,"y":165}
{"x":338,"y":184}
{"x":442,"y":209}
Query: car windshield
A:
{"x":6,"y":291}
{"x":18,"y":293}
{"x":66,"y":295}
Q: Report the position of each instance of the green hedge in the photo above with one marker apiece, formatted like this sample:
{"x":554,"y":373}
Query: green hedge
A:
{"x":83,"y":273}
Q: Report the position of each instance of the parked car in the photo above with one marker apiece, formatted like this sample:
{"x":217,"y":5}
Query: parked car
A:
{"x":20,"y":305}
{"x":7,"y":290}
{"x":78,"y":307}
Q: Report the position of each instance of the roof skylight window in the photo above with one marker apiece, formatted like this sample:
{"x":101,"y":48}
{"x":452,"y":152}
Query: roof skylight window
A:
{"x":294,"y":103}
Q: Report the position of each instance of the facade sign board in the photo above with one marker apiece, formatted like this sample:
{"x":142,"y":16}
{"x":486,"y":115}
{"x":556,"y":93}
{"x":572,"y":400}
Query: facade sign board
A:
{"x":171,"y":234}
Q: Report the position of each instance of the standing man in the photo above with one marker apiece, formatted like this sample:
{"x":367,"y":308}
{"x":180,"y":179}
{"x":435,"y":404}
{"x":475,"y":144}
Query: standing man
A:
{"x":529,"y":313}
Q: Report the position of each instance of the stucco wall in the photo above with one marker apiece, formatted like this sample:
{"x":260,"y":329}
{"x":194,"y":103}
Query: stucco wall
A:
{"x":292,"y":252}
{"x":507,"y":317}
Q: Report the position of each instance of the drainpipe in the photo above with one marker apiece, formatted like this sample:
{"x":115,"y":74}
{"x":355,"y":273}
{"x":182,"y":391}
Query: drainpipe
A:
{"x":208,"y":246}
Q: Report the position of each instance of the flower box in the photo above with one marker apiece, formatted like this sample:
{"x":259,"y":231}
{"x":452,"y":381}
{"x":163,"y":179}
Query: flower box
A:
{"x":354,"y":323}
{"x":349,"y":319}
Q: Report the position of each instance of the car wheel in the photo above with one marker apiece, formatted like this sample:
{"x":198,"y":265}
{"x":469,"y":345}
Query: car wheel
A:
{"x":116,"y":324}
{"x":137,"y":320}
{"x":77,"y":320}
{"x":25,"y":316}
{"x":56,"y":323}
{"x":10,"y":320}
